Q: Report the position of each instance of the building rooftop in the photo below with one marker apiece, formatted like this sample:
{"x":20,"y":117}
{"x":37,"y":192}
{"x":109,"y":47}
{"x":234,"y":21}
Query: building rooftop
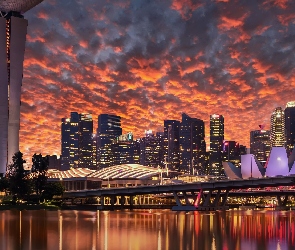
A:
{"x":124,"y":171}
{"x":18,"y":5}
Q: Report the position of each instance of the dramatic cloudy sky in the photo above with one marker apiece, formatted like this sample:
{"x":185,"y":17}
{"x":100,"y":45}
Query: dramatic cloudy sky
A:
{"x":150,"y":60}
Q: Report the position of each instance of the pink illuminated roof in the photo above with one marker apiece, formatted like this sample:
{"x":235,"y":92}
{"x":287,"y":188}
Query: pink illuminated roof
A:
{"x":18,"y":5}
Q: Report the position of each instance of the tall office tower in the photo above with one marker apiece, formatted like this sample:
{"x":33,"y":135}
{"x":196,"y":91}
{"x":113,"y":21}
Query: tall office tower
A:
{"x":109,"y":128}
{"x":85,"y":140}
{"x":94,"y":151}
{"x":290,"y":126}
{"x":70,"y":141}
{"x":151,"y":150}
{"x":277,"y":128}
{"x":124,"y":150}
{"x":171,"y":144}
{"x":13,"y":30}
{"x":231,"y":152}
{"x":260,"y":145}
{"x":192,"y":144}
{"x":216,"y":142}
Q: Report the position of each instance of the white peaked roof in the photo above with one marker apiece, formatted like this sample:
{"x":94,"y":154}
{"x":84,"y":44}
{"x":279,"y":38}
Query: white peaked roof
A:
{"x":291,"y":159}
{"x":18,"y":5}
{"x":250,"y":167}
{"x":277,"y":162}
{"x":292,"y":171}
{"x":231,"y":171}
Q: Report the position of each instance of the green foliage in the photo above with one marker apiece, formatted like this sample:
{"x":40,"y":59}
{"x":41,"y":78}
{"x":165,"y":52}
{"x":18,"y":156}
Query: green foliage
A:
{"x":39,"y":170}
{"x":52,"y":189}
{"x":16,"y":175}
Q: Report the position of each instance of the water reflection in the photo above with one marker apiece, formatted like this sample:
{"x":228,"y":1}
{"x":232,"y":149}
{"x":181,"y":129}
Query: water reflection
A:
{"x":254,"y":230}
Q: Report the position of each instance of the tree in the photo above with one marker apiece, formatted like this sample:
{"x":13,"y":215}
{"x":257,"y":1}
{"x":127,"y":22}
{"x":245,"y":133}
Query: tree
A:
{"x":51,"y":189}
{"x":4,"y":184}
{"x":19,"y":185}
{"x":39,"y":168}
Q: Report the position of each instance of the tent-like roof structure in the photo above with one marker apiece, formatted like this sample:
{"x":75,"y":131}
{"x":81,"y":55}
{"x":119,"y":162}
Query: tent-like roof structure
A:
{"x":124,"y":171}
{"x":18,"y":5}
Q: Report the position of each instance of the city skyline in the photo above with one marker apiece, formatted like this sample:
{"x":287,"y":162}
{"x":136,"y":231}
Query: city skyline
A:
{"x":149,"y":62}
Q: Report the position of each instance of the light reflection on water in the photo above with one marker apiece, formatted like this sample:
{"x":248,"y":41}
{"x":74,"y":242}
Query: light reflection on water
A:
{"x":255,"y":230}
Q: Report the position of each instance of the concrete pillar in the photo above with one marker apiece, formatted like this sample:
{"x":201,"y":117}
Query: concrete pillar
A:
{"x":178,"y":202}
{"x":224,"y":198}
{"x":207,"y":202}
{"x":217,"y":198}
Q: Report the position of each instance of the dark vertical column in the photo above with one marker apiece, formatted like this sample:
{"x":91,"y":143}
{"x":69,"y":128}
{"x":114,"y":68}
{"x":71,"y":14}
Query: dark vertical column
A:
{"x":18,"y":31}
{"x":3,"y":97}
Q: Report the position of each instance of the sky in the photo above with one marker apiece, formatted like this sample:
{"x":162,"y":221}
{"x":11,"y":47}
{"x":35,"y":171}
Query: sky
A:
{"x":151,"y":60}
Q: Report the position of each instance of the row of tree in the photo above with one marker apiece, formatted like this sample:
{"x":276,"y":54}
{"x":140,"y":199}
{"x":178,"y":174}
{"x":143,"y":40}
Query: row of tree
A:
{"x":23,"y":184}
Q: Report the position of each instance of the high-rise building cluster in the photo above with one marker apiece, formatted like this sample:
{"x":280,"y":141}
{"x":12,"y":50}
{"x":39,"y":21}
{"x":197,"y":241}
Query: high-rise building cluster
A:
{"x":281,"y":133}
{"x":180,"y":146}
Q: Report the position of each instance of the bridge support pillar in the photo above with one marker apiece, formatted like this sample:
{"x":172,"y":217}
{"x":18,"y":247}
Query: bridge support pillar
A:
{"x":207,"y":201}
{"x":217,"y":199}
{"x":224,"y":198}
{"x":131,"y":201}
{"x":178,"y":202}
{"x":282,"y":203}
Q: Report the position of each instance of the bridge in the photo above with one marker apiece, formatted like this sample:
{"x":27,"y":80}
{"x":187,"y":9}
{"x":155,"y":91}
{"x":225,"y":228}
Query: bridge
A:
{"x":210,"y":195}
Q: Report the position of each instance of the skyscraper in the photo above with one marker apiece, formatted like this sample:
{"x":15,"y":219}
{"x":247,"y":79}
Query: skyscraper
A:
{"x":70,"y":141}
{"x":290,"y":126}
{"x":76,"y":141}
{"x":216,"y":142}
{"x":277,"y":128}
{"x":13,"y":30}
{"x":109,"y":128}
{"x":151,"y":150}
{"x":260,"y":145}
{"x":171,"y":144}
{"x":85,"y":141}
{"x":192,"y":144}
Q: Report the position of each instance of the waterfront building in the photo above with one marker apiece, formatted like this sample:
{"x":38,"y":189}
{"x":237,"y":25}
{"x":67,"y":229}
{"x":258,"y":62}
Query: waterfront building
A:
{"x":260,"y":145}
{"x":94,"y":151}
{"x":192,"y":144}
{"x":171,"y":144}
{"x":13,"y":30}
{"x":277,"y":128}
{"x":277,"y":164}
{"x":216,"y":143}
{"x":290,"y":126}
{"x":151,"y":150}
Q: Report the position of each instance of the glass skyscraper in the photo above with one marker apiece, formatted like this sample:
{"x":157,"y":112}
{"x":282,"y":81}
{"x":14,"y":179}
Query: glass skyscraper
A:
{"x":109,"y":128}
{"x":216,"y":143}
{"x":192,"y":144}
{"x":277,"y":128}
{"x":260,"y":145}
{"x":171,"y":144}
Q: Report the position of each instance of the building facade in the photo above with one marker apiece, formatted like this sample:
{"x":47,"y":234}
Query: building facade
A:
{"x":216,"y":143}
{"x":277,"y":128}
{"x":171,"y":144}
{"x":290,"y":126}
{"x":192,"y":144}
{"x":13,"y":30}
{"x":109,"y":128}
{"x":260,"y":145}
{"x":231,"y":152}
{"x":152,"y":150}
{"x":85,"y":141}
{"x":76,"y":141}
